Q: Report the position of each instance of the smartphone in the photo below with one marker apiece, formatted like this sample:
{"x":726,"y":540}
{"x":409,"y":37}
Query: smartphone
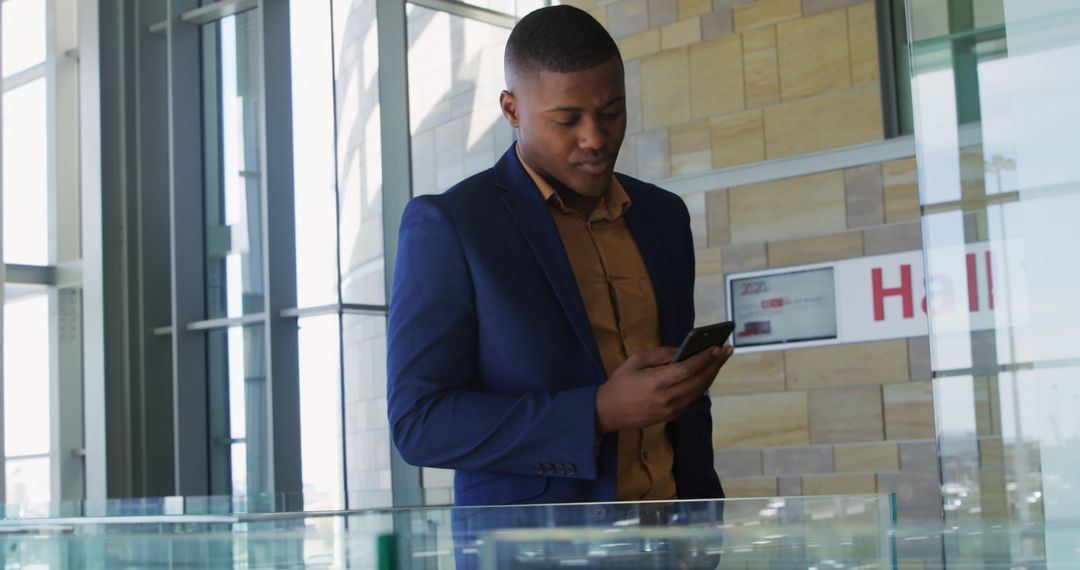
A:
{"x":703,"y":338}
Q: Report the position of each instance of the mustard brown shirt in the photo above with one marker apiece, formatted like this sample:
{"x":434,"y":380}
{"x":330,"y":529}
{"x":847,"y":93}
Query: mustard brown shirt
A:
{"x":621,"y":305}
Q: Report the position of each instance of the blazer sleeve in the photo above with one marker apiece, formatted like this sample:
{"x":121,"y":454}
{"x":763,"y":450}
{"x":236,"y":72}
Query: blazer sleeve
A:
{"x":438,"y":416}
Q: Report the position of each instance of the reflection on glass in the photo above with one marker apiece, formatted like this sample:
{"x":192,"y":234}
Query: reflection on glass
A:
{"x":239,"y":426}
{"x":455,"y":76}
{"x":367,"y":430}
{"x":234,"y":279}
{"x":320,"y":411}
{"x":359,"y":152}
{"x":313,"y":153}
{"x":28,"y":484}
{"x":996,"y":137}
{"x":23,"y":35}
{"x":26,"y":222}
{"x":26,"y":376}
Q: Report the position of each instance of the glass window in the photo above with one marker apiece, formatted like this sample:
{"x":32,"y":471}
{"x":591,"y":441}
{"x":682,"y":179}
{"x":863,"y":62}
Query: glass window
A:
{"x":359,"y":151}
{"x":238,"y":409}
{"x":320,"y":411}
{"x":26,"y":376}
{"x":234,"y":270}
{"x":313,"y":154}
{"x":367,"y":429}
{"x":23,"y":35}
{"x":455,"y":76}
{"x":28,"y":484}
{"x":26,"y":222}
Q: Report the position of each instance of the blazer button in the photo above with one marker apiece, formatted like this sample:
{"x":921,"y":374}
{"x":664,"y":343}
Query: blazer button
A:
{"x":549,"y":469}
{"x":560,"y":469}
{"x":538,"y":468}
{"x":570,"y":469}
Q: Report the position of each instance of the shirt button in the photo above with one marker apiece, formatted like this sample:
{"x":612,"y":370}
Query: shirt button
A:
{"x":645,"y":455}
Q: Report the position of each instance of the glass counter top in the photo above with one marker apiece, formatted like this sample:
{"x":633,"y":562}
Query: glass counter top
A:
{"x":846,"y":531}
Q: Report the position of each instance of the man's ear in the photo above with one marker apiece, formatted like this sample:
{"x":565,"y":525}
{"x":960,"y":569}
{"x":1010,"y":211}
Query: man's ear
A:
{"x":508,"y":103}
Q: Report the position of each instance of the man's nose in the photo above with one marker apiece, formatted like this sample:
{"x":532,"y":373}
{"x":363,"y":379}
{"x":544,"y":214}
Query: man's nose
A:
{"x":593,"y":135}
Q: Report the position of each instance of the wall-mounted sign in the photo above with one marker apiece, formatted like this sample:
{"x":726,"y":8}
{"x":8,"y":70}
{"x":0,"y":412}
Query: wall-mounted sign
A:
{"x":879,"y":297}
{"x":778,"y":308}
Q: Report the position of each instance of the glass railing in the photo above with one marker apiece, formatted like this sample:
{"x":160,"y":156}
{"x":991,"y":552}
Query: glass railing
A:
{"x":833,"y":531}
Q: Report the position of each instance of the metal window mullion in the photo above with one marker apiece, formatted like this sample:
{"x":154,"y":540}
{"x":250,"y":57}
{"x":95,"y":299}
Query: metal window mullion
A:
{"x":3,"y":302}
{"x":65,"y":310}
{"x":217,"y":11}
{"x":191,"y":441}
{"x":456,"y":8}
{"x":407,"y":489}
{"x":279,"y":250}
{"x":93,"y":290}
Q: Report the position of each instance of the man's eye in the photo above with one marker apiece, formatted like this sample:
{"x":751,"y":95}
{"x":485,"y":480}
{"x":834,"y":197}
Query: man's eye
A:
{"x":566,"y":122}
{"x":614,"y":114}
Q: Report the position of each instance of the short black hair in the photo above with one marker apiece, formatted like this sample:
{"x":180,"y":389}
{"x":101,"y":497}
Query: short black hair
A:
{"x":560,"y":39}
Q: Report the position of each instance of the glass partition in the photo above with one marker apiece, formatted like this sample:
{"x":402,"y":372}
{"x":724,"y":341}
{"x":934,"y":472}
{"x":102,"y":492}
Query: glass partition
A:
{"x":852,"y":530}
{"x":994,"y":87}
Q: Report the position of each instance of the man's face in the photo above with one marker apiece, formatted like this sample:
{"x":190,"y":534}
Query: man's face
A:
{"x":570,"y":125}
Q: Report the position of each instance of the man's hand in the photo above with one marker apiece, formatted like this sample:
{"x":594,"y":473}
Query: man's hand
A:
{"x":648,"y":389}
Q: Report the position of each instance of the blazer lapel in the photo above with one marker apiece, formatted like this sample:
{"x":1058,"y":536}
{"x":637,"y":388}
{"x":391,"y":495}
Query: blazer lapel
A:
{"x":526,"y":205}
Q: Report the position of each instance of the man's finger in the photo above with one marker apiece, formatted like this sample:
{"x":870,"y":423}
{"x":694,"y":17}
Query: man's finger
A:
{"x":651,"y":357}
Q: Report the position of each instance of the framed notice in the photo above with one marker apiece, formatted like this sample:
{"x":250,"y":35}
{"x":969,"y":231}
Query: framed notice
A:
{"x":783,"y":307}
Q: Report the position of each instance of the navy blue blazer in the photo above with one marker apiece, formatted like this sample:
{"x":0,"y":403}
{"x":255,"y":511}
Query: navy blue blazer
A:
{"x":492,"y":363}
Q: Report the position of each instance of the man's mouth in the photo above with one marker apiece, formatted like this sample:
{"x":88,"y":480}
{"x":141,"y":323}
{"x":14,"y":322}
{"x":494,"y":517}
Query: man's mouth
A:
{"x":596,"y":166}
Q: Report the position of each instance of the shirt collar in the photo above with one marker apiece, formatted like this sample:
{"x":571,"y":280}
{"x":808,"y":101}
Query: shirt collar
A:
{"x":613,"y":204}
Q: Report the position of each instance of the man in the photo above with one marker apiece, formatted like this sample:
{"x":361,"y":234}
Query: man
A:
{"x":535,"y":304}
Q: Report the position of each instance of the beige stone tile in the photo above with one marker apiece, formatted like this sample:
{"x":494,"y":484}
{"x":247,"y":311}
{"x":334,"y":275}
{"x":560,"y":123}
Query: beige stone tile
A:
{"x":662,"y":13}
{"x":665,"y":86}
{"x":716,"y":77}
{"x":893,"y":238}
{"x":709,"y":261}
{"x":877,"y":362}
{"x":867,"y":457}
{"x":844,"y":118}
{"x":845,"y":414}
{"x":920,"y":456}
{"x":760,"y":420}
{"x":909,"y":411}
{"x":681,"y":33}
{"x":865,"y":197}
{"x":828,"y":247}
{"x":992,"y":453}
{"x":710,"y":300}
{"x":789,"y":486}
{"x":600,"y":14}
{"x":691,"y":148}
{"x":749,"y":486}
{"x":745,"y":257}
{"x":789,"y":208}
{"x":813,"y":55}
{"x":738,"y":138}
{"x":919,"y":358}
{"x":797,"y":460}
{"x":838,"y":484}
{"x":862,"y":35}
{"x":749,"y":373}
{"x":760,"y":67}
{"x":640,"y":44}
{"x":699,"y":226}
{"x":716,"y":212}
{"x":627,"y":17}
{"x":766,"y":12}
{"x":901,"y":190}
{"x":815,"y":7}
{"x":918,"y":495}
{"x":653,"y":154}
{"x":737,"y":462}
{"x":691,"y":8}
{"x":717,"y":23}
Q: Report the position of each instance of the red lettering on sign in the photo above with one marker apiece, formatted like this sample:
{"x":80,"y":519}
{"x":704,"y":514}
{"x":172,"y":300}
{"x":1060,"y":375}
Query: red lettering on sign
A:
{"x":972,"y":284}
{"x":904,"y":290}
{"x":989,"y":281}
